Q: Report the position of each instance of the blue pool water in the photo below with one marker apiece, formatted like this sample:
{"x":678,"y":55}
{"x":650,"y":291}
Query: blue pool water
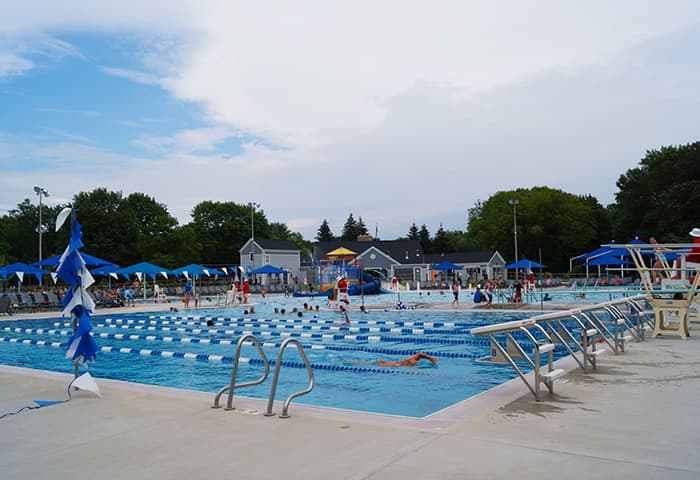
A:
{"x":342,"y":357}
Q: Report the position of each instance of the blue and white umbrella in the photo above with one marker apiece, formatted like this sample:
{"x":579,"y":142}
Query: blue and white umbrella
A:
{"x":73,"y":270}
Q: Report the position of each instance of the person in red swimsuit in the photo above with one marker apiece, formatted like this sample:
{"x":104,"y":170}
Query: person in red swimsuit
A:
{"x":407,"y":362}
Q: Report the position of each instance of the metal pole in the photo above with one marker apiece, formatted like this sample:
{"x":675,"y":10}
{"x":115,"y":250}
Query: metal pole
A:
{"x":515,"y":202}
{"x":40,"y":229}
{"x":253,"y":206}
{"x":41,"y":192}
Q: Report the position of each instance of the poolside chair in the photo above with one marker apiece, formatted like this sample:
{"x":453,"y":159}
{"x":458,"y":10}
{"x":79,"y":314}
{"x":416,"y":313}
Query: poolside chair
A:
{"x":22,"y":302}
{"x":5,"y":307}
{"x":53,"y":301}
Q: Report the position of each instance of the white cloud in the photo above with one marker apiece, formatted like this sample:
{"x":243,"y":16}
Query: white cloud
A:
{"x":12,"y":64}
{"x":133,"y":75}
{"x":395,"y":111}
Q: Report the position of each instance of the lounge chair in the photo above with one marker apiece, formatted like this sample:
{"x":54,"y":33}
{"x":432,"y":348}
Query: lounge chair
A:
{"x":22,"y":302}
{"x":5,"y":306}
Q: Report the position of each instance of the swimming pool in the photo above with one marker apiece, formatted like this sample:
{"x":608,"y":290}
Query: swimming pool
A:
{"x":178,"y":350}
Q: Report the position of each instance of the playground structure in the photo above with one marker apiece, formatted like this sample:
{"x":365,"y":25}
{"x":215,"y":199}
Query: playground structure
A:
{"x":342,"y":262}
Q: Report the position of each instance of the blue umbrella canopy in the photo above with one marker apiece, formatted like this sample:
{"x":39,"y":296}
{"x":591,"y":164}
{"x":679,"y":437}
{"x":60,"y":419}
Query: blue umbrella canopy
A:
{"x":145,"y":268}
{"x":595,"y":253}
{"x":608,"y":259}
{"x":105,"y":270}
{"x":268,"y":269}
{"x":195,"y":269}
{"x":72,"y":269}
{"x":89,"y":260}
{"x":446,"y":266}
{"x":525,"y":263}
{"x":20,"y":269}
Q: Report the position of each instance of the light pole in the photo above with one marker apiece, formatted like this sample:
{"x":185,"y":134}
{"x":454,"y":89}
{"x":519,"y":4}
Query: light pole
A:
{"x":515,"y":202}
{"x":41,"y":192}
{"x":253,"y":206}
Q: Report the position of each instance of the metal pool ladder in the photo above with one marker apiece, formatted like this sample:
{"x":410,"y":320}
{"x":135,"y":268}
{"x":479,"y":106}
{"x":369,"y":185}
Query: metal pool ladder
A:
{"x":232,"y":386}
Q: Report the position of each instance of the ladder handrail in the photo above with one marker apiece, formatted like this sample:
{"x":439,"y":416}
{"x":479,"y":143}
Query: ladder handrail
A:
{"x":275,"y":378}
{"x":232,"y":386}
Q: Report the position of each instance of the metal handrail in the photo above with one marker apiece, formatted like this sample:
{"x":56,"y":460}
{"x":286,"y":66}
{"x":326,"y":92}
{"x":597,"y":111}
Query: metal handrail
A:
{"x":232,"y":386}
{"x":516,"y":324}
{"x":275,"y":378}
{"x":549,"y":325}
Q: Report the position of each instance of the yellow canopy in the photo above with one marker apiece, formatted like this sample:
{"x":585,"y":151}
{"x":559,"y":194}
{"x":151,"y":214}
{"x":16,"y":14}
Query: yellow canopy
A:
{"x":341,"y":252}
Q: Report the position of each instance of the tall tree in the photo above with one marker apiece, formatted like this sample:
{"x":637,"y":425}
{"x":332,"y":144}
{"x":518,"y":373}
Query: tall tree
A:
{"x":350,"y":229}
{"x":154,"y":225}
{"x":324,"y":233}
{"x":110,"y":228}
{"x":559,"y":224}
{"x":279,"y":231}
{"x":361,"y":227}
{"x":413,"y":232}
{"x":19,"y":233}
{"x":424,"y":237}
{"x":660,"y":197}
{"x":223,"y":227}
{"x":441,"y":243}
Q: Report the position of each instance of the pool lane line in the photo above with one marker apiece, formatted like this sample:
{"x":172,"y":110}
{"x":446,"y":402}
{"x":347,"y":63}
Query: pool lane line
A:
{"x":314,"y":321}
{"x":266,"y":327}
{"x":218,"y":341}
{"x":220,"y":358}
{"x":120,"y":336}
{"x":324,"y":336}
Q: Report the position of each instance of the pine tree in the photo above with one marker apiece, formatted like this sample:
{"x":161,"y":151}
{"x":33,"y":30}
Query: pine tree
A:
{"x":441,"y":244}
{"x":413,"y":232}
{"x":361,"y":227}
{"x":424,"y":237}
{"x":350,"y":229}
{"x":324,"y":233}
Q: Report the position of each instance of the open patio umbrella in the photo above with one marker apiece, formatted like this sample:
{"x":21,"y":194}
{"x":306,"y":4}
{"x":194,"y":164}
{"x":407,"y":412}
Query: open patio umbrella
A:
{"x":341,"y":252}
{"x":89,"y":261}
{"x":608,"y":259}
{"x":109,"y":271}
{"x":21,"y":269}
{"x":526,"y":264}
{"x":142,"y":270}
{"x":446,"y":266}
{"x":271,"y":269}
{"x":196,"y":271}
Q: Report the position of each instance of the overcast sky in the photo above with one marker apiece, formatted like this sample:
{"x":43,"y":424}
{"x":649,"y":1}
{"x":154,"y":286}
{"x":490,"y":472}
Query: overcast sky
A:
{"x":396,"y":111}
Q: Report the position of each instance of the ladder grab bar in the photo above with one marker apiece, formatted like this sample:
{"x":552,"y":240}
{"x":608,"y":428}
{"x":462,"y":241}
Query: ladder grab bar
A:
{"x":232,"y":386}
{"x":275,"y":378}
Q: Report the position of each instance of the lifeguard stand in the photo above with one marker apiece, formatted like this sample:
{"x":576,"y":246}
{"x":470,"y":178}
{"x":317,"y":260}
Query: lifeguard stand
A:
{"x":674,"y":300}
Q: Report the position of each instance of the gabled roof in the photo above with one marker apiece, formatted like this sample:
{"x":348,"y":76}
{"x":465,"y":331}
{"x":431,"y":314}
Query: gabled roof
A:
{"x":396,"y":249}
{"x":460,"y":257}
{"x":268,"y":244}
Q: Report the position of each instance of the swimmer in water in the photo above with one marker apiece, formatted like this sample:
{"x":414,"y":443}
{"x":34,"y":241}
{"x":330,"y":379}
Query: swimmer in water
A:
{"x":407,"y":362}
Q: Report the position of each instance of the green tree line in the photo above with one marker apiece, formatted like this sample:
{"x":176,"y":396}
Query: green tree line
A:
{"x":659,"y":197}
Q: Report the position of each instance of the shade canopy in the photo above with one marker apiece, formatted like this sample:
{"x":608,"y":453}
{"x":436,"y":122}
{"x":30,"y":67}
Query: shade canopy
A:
{"x":446,"y":266}
{"x":196,"y":269}
{"x":526,"y":263}
{"x":105,"y":270}
{"x":268,"y":269}
{"x":145,"y":268}
{"x":89,"y":260}
{"x":608,"y":259}
{"x":341,"y":252}
{"x":20,"y":269}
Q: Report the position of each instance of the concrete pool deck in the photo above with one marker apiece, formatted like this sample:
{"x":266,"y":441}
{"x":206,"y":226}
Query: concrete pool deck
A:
{"x":636,"y":417}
